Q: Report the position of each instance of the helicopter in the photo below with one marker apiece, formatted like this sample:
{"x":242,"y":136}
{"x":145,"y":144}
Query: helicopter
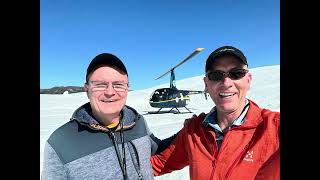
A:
{"x":172,"y":97}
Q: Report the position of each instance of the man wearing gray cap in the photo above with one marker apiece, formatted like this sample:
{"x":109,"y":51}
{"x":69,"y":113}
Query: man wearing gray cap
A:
{"x":104,"y":139}
{"x":237,"y":139}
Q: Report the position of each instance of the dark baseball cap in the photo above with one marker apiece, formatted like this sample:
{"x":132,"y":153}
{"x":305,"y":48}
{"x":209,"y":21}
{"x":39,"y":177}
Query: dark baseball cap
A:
{"x":225,"y":50}
{"x":105,"y":59}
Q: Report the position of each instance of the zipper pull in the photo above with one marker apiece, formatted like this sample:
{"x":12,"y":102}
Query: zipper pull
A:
{"x":140,"y":177}
{"x":246,"y":147}
{"x":113,"y":137}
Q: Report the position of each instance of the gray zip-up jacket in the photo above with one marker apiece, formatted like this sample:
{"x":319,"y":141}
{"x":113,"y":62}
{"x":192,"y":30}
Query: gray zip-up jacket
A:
{"x":83,"y":149}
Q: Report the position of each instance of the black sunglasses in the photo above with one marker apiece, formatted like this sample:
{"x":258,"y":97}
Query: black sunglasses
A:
{"x":234,"y":74}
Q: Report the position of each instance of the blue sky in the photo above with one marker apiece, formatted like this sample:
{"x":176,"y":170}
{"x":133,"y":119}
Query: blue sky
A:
{"x":151,"y":36}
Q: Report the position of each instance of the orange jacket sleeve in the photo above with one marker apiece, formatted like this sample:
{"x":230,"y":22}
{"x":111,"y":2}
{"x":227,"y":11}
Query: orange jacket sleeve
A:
{"x":175,"y":157}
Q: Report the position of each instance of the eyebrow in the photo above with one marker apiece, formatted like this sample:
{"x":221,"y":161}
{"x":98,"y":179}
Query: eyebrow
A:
{"x":110,"y":81}
{"x":215,"y":69}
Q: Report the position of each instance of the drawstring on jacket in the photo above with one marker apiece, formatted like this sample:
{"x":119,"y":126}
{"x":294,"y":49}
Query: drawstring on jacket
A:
{"x":121,"y":158}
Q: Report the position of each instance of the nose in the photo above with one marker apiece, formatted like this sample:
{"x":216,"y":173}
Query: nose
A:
{"x":227,"y":81}
{"x":109,"y":91}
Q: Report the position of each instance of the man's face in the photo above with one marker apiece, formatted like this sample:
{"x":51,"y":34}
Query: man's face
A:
{"x":107,"y":91}
{"x":227,"y":94}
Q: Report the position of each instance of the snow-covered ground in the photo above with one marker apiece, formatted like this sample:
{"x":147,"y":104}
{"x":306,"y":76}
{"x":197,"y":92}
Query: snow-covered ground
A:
{"x":56,"y":110}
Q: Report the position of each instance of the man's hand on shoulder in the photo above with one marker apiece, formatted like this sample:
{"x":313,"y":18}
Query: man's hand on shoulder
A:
{"x":194,"y":116}
{"x":186,"y":121}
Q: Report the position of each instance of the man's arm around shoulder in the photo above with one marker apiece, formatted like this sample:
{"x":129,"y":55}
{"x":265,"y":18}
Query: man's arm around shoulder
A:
{"x":175,"y":157}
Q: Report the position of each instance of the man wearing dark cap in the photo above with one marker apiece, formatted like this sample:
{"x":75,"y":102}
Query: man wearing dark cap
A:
{"x":237,"y":139}
{"x":104,"y":139}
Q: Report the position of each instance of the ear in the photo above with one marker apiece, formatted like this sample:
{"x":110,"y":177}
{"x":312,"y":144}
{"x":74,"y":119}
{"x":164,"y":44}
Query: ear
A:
{"x":85,"y":86}
{"x":86,"y":89}
{"x":205,"y":79}
{"x":249,"y":79}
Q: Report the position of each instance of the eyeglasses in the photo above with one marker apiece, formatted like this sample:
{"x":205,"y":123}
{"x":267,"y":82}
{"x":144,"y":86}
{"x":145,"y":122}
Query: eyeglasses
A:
{"x":103,"y":85}
{"x":234,"y":74}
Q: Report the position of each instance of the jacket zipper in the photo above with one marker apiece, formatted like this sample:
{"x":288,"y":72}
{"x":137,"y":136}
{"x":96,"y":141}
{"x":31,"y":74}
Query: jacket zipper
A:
{"x":235,"y":161}
{"x":217,"y":155}
{"x":239,"y":156}
{"x":213,"y":168}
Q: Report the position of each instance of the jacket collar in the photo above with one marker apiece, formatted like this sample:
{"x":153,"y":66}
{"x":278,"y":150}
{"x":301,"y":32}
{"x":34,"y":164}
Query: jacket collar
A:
{"x":84,"y":116}
{"x":252,"y":117}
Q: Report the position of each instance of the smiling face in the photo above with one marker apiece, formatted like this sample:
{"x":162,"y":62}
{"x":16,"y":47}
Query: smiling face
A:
{"x":106,"y":103}
{"x":228,"y":95}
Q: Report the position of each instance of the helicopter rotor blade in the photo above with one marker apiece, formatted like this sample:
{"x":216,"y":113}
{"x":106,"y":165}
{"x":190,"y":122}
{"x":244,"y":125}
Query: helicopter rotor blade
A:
{"x":163,"y":74}
{"x":186,"y":59}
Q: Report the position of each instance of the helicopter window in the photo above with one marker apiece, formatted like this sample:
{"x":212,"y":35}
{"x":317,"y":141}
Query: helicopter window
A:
{"x":160,"y":95}
{"x":163,"y":95}
{"x":170,"y":94}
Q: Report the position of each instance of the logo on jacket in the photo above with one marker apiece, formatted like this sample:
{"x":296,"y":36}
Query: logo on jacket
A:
{"x":249,"y":156}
